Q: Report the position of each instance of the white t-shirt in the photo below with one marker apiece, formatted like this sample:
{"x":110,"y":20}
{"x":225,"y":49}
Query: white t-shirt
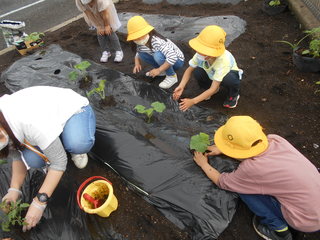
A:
{"x":96,"y":9}
{"x":39,"y":114}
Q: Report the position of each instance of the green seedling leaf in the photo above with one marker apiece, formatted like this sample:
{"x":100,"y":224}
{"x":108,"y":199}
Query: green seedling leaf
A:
{"x":82,"y":66}
{"x":158,"y":106}
{"x":99,"y":90}
{"x":200,"y":142}
{"x":10,"y":214}
{"x":149,"y":112}
{"x":140,"y":108}
{"x":73,"y":75}
{"x":3,"y":161}
{"x":274,"y":3}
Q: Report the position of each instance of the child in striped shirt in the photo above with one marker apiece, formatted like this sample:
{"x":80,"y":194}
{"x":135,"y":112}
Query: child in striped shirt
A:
{"x":156,"y":50}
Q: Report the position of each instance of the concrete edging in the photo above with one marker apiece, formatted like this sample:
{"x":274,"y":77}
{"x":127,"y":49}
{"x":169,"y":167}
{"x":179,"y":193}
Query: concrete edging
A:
{"x":303,"y":14}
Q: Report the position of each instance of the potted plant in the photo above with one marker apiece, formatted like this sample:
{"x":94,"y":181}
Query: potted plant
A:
{"x":273,"y":7}
{"x":307,"y":59}
{"x":30,"y":42}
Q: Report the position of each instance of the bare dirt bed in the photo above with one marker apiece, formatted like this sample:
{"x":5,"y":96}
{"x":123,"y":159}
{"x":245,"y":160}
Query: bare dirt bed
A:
{"x":273,"y":91}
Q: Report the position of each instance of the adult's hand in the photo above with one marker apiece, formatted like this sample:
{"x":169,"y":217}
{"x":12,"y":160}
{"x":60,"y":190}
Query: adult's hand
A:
{"x":34,"y":215}
{"x":185,"y":104}
{"x":12,"y":195}
{"x":177,"y":93}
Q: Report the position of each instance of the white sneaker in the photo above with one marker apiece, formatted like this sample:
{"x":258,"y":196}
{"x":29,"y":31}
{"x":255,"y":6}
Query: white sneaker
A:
{"x":169,"y":81}
{"x":119,"y":56}
{"x":105,"y":56}
{"x":80,"y":160}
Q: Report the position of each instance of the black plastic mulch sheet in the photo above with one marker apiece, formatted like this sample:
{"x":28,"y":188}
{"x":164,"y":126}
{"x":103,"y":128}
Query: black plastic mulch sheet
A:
{"x":153,"y":158}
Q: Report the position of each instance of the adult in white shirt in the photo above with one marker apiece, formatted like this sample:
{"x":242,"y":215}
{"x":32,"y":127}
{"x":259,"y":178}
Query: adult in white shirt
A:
{"x":43,"y":123}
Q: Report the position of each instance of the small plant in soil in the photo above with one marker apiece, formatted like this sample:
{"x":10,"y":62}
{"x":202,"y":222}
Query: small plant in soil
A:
{"x":34,"y":37}
{"x":2,"y":161}
{"x":98,"y":90}
{"x":104,"y":100}
{"x":313,"y":48}
{"x":81,"y":71}
{"x":274,"y":3}
{"x":155,"y":106}
{"x":200,"y":142}
{"x":11,"y":214}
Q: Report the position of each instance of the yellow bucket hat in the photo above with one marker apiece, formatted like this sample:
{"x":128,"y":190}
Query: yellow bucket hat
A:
{"x":210,"y":41}
{"x":241,"y":137}
{"x":137,"y":27}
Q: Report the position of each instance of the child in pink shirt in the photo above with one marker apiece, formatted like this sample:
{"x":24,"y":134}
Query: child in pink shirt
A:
{"x":278,"y":184}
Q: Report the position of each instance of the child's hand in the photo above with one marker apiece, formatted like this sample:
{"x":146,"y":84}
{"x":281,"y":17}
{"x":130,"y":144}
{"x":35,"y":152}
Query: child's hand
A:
{"x":154,"y":72}
{"x":137,"y":68}
{"x":213,"y":151}
{"x":107,"y":30}
{"x":200,"y":159}
{"x":185,"y":104}
{"x":177,"y":93}
{"x":100,"y":31}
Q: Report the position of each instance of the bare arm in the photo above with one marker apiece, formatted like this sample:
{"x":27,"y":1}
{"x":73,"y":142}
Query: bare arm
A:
{"x":210,"y":171}
{"x":51,"y":181}
{"x":208,"y":93}
{"x":105,"y":17}
{"x":19,"y":172}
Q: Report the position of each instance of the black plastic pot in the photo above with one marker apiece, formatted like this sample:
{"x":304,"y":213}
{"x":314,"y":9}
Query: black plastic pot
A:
{"x":305,"y":63}
{"x":274,"y":10}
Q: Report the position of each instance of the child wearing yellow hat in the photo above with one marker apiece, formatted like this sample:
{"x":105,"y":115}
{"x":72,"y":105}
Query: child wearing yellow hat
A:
{"x":156,"y":50}
{"x":212,"y":66}
{"x":278,"y":184}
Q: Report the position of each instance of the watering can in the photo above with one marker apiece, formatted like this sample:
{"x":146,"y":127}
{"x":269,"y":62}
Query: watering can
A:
{"x":97,"y":197}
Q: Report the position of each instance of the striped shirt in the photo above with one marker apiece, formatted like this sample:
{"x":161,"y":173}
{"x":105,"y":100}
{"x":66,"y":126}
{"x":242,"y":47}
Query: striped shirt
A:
{"x":166,"y":47}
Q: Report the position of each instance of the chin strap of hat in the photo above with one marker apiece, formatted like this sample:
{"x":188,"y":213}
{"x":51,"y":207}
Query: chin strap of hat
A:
{"x":27,"y":145}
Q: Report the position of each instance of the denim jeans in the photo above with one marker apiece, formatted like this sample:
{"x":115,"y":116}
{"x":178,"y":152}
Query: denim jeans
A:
{"x":78,"y":137}
{"x":231,"y":81}
{"x":158,"y":59}
{"x":267,"y":208}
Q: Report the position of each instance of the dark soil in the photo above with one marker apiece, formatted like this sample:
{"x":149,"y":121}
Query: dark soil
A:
{"x":108,"y":101}
{"x":284,"y":100}
{"x":85,"y":83}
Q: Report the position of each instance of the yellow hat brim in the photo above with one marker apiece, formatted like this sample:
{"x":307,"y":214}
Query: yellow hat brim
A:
{"x":229,"y":150}
{"x":140,"y":33}
{"x":207,"y":51}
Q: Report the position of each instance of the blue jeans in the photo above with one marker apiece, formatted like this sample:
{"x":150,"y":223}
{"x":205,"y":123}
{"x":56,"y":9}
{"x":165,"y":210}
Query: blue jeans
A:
{"x":158,"y":59}
{"x":267,"y":208}
{"x":77,"y":137}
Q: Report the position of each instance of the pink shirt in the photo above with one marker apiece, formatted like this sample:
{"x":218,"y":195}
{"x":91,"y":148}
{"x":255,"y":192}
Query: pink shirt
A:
{"x":283,"y":172}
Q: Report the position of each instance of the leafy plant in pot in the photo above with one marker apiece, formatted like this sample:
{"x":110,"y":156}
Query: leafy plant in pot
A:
{"x":274,"y":7}
{"x":307,"y":59}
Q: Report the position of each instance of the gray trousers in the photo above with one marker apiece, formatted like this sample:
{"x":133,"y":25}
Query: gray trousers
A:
{"x":108,"y":42}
